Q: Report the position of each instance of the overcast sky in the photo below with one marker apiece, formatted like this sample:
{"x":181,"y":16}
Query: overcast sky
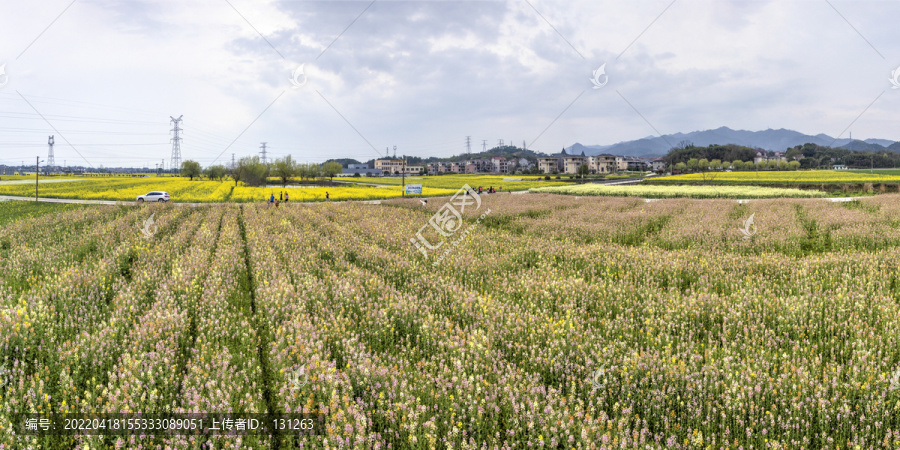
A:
{"x":423,"y":75}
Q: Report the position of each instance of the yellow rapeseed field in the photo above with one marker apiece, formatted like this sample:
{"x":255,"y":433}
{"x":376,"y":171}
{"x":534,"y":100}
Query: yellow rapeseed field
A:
{"x":779,"y":178}
{"x":182,"y":190}
{"x":456,"y":181}
{"x":317,"y":193}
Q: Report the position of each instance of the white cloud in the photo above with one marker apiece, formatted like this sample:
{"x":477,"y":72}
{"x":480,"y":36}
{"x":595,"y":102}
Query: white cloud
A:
{"x":423,"y":75}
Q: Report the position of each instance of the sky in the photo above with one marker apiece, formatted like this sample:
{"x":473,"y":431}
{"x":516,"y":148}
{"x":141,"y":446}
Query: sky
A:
{"x":348,"y":79}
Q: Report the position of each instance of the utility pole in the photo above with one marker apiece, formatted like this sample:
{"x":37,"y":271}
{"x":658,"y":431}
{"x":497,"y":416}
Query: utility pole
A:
{"x":37,"y":172}
{"x":263,"y":147}
{"x":176,"y":142}
{"x":403,"y":191}
{"x":162,"y":166}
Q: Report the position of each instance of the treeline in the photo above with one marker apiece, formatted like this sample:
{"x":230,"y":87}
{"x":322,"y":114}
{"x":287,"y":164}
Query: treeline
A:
{"x":508,"y":151}
{"x":730,"y":152}
{"x":251,"y":171}
{"x":807,"y":156}
{"x":812,"y":156}
{"x":703,"y":164}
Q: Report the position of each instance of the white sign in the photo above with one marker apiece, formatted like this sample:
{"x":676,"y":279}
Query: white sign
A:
{"x":412,"y":189}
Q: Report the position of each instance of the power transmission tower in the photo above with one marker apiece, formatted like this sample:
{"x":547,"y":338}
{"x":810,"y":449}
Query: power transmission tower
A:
{"x":500,"y":142}
{"x":232,"y":161}
{"x":263,"y":147}
{"x":50,"y":160}
{"x":484,"y":145}
{"x":469,"y":146}
{"x":395,"y":152}
{"x":176,"y":142}
{"x":524,"y":147}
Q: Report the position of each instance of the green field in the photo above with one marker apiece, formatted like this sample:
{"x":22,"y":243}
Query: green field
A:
{"x":877,"y":171}
{"x":15,"y":210}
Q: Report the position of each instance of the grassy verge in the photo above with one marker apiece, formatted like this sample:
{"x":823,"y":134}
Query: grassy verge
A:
{"x":14,"y":210}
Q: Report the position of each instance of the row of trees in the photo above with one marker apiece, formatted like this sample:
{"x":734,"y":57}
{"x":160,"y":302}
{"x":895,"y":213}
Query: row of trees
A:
{"x":253,"y":172}
{"x":686,"y":151}
{"x":703,"y":165}
{"x":806,"y":156}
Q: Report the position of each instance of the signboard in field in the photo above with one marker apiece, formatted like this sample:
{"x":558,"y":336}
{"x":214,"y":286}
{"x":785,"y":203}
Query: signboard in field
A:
{"x":413,"y":189}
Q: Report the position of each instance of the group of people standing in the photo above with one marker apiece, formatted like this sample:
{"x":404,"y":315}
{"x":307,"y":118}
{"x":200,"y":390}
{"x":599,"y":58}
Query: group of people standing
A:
{"x":282,"y":197}
{"x":490,"y":190}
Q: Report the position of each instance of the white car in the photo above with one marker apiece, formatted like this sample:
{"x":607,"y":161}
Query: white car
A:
{"x":155,"y":196}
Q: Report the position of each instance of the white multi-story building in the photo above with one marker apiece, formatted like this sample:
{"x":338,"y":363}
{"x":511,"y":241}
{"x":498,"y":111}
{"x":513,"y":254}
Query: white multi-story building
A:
{"x":389,"y":166}
{"x":550,"y":164}
{"x":571,"y":163}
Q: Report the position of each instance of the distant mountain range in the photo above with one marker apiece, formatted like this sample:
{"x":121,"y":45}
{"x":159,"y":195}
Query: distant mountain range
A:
{"x":775,"y":140}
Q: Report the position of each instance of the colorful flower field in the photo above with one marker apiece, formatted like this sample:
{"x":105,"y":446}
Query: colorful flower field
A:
{"x":556,"y":322}
{"x":645,"y":191}
{"x":780,"y":178}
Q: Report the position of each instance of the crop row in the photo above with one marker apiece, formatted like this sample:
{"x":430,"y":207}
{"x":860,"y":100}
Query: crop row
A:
{"x":556,"y":321}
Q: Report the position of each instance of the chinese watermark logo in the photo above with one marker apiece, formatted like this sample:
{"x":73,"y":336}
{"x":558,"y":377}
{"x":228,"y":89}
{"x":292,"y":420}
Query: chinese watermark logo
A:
{"x":298,"y":378}
{"x":600,"y":72}
{"x":447,"y":221}
{"x":599,"y":377}
{"x":150,"y":227}
{"x":296,"y":75}
{"x":749,"y":229}
{"x":895,"y":78}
